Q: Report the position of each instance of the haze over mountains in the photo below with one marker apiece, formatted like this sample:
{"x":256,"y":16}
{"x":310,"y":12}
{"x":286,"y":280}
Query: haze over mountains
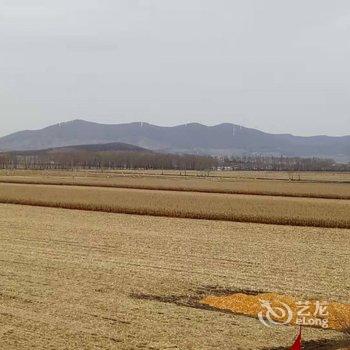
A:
{"x":222,"y":139}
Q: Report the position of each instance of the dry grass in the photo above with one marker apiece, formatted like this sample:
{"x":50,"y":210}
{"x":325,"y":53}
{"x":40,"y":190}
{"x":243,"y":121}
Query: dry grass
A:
{"x":66,"y":278}
{"x":172,"y":183}
{"x":243,"y":208}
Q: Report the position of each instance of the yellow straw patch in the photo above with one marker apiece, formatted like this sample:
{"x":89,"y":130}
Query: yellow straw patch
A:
{"x":285,"y":309}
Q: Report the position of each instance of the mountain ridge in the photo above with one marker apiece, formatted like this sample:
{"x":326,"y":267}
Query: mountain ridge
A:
{"x":220,"y":139}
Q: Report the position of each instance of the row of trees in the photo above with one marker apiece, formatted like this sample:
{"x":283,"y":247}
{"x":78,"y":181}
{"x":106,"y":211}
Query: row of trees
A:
{"x":281,"y":164}
{"x":106,"y":160}
{"x":83,"y":159}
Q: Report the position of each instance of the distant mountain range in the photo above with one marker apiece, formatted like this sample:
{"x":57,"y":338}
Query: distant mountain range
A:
{"x":222,"y":139}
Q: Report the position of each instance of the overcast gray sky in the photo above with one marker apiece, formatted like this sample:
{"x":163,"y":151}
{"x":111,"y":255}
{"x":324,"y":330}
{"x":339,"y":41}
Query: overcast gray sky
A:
{"x":277,"y":65}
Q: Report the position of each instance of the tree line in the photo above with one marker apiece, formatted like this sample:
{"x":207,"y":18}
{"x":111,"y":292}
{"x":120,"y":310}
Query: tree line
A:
{"x":83,"y":159}
{"x":105,"y":160}
{"x":272,"y":163}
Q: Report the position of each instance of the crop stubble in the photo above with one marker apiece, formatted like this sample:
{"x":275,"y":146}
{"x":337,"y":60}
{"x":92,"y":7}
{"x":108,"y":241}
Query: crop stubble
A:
{"x":243,"y":208}
{"x":66,"y":278}
{"x":267,"y":187}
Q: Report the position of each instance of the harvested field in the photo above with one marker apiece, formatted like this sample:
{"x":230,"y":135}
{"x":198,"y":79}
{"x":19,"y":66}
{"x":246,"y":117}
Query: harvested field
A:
{"x":243,"y":208}
{"x":307,"y":176}
{"x":336,"y":190}
{"x":317,"y":176}
{"x":88,"y":280}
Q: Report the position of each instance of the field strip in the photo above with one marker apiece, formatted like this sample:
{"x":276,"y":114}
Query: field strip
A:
{"x":241,"y":208}
{"x":244,"y":187}
{"x":236,"y":175}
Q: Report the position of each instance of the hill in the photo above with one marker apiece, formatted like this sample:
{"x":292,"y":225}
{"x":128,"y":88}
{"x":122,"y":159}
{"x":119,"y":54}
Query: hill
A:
{"x":189,"y":138}
{"x":92,"y":148}
{"x":114,"y":155}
